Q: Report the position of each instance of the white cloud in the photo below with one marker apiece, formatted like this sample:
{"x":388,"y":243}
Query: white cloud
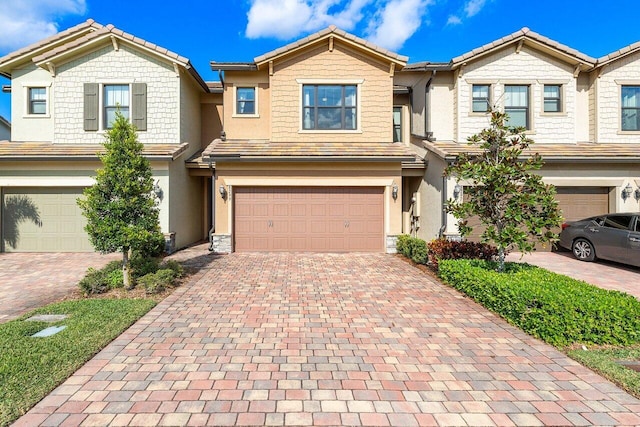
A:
{"x":397,"y":22}
{"x":454,"y":20}
{"x":25,"y":22}
{"x":473,"y":7}
{"x":389,"y":22}
{"x":285,"y":19}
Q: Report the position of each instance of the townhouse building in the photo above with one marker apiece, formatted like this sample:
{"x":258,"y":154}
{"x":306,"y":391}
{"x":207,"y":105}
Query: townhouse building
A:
{"x":327,"y":144}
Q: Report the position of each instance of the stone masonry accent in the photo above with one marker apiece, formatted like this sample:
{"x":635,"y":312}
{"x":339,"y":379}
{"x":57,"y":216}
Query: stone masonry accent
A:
{"x":220,"y":243}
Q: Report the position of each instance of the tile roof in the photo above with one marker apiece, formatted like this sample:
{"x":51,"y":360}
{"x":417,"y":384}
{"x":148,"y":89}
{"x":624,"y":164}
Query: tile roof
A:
{"x":525,"y":33}
{"x":261,"y":150}
{"x":49,"y":151}
{"x":324,"y":33}
{"x":84,"y":26}
{"x":619,"y":53}
{"x":108,"y":30}
{"x":552,"y":152}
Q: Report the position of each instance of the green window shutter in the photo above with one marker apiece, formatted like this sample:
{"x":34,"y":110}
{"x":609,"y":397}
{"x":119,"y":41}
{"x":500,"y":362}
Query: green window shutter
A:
{"x":139,"y":107}
{"x":91,"y":106}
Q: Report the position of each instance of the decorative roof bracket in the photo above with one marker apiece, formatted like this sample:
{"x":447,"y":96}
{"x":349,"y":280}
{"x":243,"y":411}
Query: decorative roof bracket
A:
{"x":176,"y":69}
{"x":331,"y":44}
{"x":576,"y":71}
{"x":392,"y":69}
{"x":519,"y":46}
{"x":114,"y":42}
{"x":271,"y":68}
{"x":52,"y":69}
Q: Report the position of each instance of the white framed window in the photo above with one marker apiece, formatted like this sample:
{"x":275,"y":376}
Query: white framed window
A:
{"x":36,"y":99}
{"x":517,"y":105}
{"x":552,"y":98}
{"x":246,"y":101}
{"x":116,"y":97}
{"x":480,"y":98}
{"x":630,"y":108}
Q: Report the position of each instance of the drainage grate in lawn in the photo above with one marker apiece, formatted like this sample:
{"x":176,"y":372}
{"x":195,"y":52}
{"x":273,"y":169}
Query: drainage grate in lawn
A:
{"x":52,"y":330}
{"x":631,"y":364}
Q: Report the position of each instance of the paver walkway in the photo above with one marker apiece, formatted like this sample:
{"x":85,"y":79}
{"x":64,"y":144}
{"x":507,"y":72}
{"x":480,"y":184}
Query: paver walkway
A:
{"x":311,"y":339}
{"x":29,"y":281}
{"x":605,"y":274}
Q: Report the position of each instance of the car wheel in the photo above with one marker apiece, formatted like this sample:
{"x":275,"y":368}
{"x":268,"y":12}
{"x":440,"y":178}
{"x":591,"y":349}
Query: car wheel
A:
{"x":584,"y":250}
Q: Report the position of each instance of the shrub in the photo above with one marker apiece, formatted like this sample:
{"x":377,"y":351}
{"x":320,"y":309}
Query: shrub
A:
{"x":157,"y":282}
{"x":555,"y":308}
{"x":413,"y":248}
{"x":440,"y":249}
{"x":100,"y":281}
{"x":174,"y":266}
{"x":142,"y":265}
{"x":419,"y":253}
{"x":402,"y":245}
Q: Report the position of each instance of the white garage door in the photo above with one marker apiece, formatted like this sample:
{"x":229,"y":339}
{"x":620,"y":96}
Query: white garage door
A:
{"x":43,"y":220}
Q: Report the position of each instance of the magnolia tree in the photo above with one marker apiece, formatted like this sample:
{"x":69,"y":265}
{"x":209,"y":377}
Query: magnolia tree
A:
{"x":121,"y":208}
{"x":505,"y":193}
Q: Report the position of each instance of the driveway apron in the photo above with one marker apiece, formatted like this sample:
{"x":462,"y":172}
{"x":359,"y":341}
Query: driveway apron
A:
{"x":328,"y":339}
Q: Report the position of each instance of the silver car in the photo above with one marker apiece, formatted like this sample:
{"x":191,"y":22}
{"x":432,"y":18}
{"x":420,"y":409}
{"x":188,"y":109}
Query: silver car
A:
{"x":614,"y":237}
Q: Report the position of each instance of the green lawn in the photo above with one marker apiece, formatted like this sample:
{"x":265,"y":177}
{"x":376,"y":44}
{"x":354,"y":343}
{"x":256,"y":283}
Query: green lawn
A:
{"x":605,"y":361}
{"x":30,"y":368}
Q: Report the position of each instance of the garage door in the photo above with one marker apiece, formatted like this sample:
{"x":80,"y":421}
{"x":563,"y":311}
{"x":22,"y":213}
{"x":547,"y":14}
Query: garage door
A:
{"x":582,"y":202}
{"x":315,"y":219}
{"x":574,"y":202}
{"x":61,"y":222}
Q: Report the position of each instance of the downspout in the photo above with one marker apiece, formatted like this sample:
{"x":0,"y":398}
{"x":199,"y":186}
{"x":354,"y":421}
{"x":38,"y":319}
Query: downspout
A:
{"x":427,"y":99}
{"x":444,"y":212}
{"x":213,"y":204}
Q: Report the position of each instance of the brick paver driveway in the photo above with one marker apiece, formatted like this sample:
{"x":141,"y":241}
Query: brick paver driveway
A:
{"x":302,"y":339}
{"x":29,"y":281}
{"x":604,"y":274}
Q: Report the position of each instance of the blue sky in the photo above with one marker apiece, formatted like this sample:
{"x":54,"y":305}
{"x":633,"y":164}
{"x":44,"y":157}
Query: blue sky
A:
{"x":239,"y":30}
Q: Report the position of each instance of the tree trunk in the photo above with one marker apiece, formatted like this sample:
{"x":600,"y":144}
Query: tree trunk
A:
{"x":501,"y":259}
{"x":126,"y":279}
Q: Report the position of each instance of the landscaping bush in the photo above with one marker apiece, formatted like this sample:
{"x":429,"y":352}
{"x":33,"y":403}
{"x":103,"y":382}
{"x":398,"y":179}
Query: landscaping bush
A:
{"x":174,"y":266}
{"x":157,"y":282}
{"x":413,"y":248}
{"x":555,"y":308}
{"x":440,"y":249}
{"x":402,"y":245}
{"x":142,"y":265}
{"x":100,"y":281}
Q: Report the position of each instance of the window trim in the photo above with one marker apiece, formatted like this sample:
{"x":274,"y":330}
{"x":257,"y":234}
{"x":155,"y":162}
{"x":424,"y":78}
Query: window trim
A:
{"x":562,"y":100}
{"x":472,"y":98}
{"x":621,"y":85}
{"x":529,"y":110}
{"x":27,"y":99}
{"x":334,"y":82}
{"x":103,"y":108}
{"x":256,"y":110}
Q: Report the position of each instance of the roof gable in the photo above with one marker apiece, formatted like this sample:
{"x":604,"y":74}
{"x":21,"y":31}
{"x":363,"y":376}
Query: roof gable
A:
{"x":25,"y":54}
{"x":534,"y":40}
{"x":329,"y":34}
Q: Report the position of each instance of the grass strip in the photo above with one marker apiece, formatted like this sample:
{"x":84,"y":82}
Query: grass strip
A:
{"x":30,"y":368}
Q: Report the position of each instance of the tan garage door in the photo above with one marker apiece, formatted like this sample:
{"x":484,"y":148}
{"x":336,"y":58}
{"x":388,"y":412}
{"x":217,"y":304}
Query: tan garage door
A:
{"x":582,"y":202}
{"x":574,"y":202}
{"x":313,"y":219}
{"x":61,"y":221}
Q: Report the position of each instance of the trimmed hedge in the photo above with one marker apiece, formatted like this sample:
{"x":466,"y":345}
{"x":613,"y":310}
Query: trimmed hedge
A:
{"x":555,"y":308}
{"x":440,"y":249}
{"x":413,"y":248}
